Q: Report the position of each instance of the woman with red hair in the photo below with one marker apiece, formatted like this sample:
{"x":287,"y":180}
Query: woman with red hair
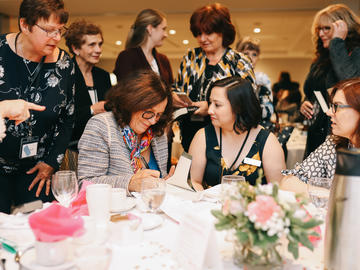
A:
{"x":212,"y":27}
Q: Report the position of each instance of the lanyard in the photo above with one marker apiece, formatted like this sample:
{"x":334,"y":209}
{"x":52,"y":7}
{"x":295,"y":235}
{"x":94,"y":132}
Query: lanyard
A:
{"x":241,"y":148}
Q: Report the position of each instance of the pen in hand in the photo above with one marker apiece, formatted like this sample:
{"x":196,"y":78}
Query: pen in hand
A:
{"x":144,"y":162}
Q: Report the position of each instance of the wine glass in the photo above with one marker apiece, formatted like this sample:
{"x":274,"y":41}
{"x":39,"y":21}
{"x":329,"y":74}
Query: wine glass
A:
{"x":65,"y":187}
{"x":153,"y":193}
{"x":319,"y":192}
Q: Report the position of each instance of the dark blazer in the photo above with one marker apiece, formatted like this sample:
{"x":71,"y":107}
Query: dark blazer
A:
{"x":82,"y":98}
{"x":134,"y":59}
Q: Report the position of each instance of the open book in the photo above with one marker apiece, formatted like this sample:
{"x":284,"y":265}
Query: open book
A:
{"x":181,"y":173}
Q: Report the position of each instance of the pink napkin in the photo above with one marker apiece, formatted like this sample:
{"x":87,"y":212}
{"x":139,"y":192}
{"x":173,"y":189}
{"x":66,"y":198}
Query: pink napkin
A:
{"x":79,"y":205}
{"x":55,"y":223}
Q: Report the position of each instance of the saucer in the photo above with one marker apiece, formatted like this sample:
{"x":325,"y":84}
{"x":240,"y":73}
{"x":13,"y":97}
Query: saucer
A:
{"x":151,"y":221}
{"x":28,"y":262}
{"x":128,"y":204}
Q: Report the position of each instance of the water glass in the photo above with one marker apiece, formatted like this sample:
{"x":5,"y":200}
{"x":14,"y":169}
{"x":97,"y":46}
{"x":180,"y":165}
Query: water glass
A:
{"x":229,"y":185}
{"x":153,"y":193}
{"x":64,"y":186}
{"x":319,"y":192}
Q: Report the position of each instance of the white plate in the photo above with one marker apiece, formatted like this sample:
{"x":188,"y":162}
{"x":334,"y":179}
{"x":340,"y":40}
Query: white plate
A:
{"x":28,"y":262}
{"x":151,"y":221}
{"x":128,"y":204}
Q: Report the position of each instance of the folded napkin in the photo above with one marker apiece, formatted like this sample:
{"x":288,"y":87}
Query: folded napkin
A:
{"x":79,"y":205}
{"x":55,"y":223}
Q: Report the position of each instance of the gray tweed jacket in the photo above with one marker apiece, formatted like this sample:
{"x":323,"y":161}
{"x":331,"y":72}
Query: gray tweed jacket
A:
{"x":104,"y":157}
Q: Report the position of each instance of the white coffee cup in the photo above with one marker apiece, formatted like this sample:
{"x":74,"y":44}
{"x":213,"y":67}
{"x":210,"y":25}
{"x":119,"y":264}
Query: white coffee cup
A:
{"x":98,"y":197}
{"x":118,"y":198}
{"x":51,"y":253}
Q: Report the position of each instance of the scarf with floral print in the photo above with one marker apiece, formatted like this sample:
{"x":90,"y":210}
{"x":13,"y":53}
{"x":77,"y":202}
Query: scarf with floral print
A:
{"x":131,"y":139}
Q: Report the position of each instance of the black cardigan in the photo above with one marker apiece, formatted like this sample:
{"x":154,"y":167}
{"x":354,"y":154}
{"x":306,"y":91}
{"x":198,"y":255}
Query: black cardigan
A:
{"x":83,"y":102}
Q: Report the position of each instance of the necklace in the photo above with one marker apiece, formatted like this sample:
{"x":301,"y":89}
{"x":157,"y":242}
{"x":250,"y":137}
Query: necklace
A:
{"x":25,"y":60}
{"x":241,"y":148}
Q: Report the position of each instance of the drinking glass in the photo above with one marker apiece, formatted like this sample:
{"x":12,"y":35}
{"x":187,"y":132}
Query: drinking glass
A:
{"x":319,"y":192}
{"x":65,"y":187}
{"x":229,"y":185}
{"x":153,"y":193}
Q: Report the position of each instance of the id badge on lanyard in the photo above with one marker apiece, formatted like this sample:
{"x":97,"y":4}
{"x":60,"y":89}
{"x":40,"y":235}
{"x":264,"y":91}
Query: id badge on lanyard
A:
{"x":29,"y":145}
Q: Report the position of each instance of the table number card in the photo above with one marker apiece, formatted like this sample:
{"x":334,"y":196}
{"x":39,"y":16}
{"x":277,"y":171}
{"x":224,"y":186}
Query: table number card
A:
{"x":197,"y":247}
{"x":181,"y":173}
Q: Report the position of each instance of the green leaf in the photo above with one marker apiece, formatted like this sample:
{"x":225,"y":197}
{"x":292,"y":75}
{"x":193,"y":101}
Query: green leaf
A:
{"x":312,"y":223}
{"x":275,"y":190}
{"x":217,"y":213}
{"x":293,"y":248}
{"x":242,"y":237}
{"x":304,"y":240}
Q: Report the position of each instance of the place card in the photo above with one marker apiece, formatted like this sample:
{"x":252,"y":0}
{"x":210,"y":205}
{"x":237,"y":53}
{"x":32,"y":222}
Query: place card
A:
{"x":181,"y":173}
{"x":321,"y":101}
{"x":196,"y":243}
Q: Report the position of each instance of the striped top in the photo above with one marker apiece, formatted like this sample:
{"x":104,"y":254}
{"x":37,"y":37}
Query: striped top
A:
{"x":104,"y":157}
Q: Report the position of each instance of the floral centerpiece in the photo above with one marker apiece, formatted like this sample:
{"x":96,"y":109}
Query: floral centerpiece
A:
{"x":261,"y":217}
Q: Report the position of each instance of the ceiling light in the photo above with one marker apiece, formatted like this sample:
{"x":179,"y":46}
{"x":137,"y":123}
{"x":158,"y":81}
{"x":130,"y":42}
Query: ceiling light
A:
{"x":185,"y":41}
{"x":257,"y":30}
{"x":118,"y":42}
{"x":172,"y":32}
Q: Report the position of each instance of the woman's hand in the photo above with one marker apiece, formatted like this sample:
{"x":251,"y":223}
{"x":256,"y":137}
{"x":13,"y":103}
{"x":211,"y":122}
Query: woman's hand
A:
{"x":203,"y":108}
{"x":340,"y":29}
{"x":177,"y":102}
{"x":44,"y":176}
{"x":18,"y":109}
{"x":171,"y":172}
{"x":135,"y":181}
{"x":307,"y":109}
{"x":98,"y":107}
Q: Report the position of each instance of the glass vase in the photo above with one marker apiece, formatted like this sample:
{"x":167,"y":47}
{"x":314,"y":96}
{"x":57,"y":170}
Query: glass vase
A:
{"x":256,"y":258}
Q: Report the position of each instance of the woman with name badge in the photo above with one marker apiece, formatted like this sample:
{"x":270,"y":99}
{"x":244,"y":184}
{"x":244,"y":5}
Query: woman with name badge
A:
{"x":34,"y":69}
{"x":234,"y":143}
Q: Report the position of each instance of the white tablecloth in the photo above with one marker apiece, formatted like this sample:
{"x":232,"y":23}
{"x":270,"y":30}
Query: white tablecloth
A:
{"x":296,"y":147}
{"x":157,"y":248}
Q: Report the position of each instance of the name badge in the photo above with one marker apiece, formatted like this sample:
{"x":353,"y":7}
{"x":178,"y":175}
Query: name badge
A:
{"x":252,"y":161}
{"x":28,"y":147}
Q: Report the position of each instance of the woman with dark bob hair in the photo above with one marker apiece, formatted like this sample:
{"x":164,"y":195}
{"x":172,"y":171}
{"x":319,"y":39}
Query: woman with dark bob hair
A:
{"x":34,"y":69}
{"x":212,"y":27}
{"x":128,"y":144}
{"x":234,"y":142}
{"x":85,"y":41}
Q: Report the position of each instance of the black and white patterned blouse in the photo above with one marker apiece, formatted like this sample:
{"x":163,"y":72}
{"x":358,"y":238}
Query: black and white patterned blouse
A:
{"x":53,"y":127}
{"x":320,"y":163}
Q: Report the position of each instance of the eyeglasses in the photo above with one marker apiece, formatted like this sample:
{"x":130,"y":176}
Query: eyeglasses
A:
{"x":325,"y":29}
{"x":335,"y":106}
{"x":53,"y":33}
{"x":149,"y":114}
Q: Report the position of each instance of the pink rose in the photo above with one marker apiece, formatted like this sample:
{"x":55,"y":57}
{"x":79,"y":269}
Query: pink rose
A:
{"x":262,"y":209}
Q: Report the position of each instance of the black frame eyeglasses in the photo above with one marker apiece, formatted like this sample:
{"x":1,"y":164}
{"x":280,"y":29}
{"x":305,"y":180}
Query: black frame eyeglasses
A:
{"x":326,"y":29}
{"x":53,"y":33}
{"x":335,"y":106}
{"x":149,"y":115}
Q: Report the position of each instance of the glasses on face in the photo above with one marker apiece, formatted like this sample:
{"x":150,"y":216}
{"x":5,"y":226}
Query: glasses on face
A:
{"x":325,"y":29}
{"x":54,"y":33}
{"x":335,"y":106}
{"x":149,"y":115}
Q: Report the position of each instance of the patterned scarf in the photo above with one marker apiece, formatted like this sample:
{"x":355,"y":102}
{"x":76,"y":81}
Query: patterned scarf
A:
{"x":130,"y":139}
